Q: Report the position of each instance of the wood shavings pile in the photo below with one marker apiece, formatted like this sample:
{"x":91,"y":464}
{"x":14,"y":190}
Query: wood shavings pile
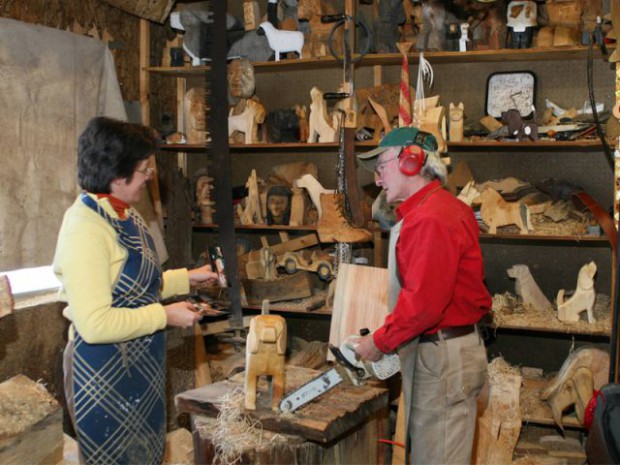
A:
{"x":499,"y":368}
{"x":235,"y":431}
{"x":22,"y":404}
{"x":509,"y":311}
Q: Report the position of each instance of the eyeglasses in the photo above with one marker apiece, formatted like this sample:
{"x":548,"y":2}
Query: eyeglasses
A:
{"x":380,"y":167}
{"x":147,"y":172}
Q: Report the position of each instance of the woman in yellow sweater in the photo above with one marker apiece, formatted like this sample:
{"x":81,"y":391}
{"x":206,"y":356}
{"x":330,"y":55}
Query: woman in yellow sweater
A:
{"x":113,"y":282}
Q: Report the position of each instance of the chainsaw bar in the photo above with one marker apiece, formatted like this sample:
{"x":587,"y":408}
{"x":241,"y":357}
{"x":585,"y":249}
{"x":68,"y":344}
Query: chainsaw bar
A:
{"x":310,"y":391}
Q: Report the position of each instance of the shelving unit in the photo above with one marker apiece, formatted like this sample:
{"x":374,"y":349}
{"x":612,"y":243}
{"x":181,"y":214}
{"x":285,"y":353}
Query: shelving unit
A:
{"x":555,"y":257}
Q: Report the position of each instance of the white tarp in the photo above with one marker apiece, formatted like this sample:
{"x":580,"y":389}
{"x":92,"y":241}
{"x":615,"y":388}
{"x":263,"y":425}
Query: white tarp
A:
{"x":51,"y":83}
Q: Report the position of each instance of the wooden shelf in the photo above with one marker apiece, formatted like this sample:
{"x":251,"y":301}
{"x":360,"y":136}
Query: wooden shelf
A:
{"x":526,"y":146}
{"x":532,"y":238}
{"x":393,"y":59}
{"x":534,"y":410}
{"x":250,"y":227}
{"x":481,"y":146}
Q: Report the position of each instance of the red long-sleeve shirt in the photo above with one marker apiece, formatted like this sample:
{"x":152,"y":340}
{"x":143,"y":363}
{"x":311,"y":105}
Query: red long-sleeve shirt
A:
{"x":440,"y":266}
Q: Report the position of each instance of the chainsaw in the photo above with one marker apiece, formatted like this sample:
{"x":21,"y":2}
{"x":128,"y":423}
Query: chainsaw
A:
{"x":348,"y":365}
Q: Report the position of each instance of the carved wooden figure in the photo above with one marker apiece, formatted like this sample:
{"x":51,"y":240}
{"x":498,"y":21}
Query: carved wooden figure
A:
{"x":314,"y":188}
{"x":251,"y":214}
{"x":585,"y":369}
{"x":304,"y":127}
{"x":527,"y":289}
{"x":248,"y":121}
{"x":468,"y":193}
{"x":431,"y":117}
{"x":496,"y":212}
{"x":456,"y":117}
{"x":265,"y":352}
{"x":312,"y":11}
{"x":320,"y":129}
{"x":281,"y":41}
{"x":582,"y":299}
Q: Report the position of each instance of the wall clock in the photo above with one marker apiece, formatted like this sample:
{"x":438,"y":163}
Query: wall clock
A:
{"x":514,"y":89}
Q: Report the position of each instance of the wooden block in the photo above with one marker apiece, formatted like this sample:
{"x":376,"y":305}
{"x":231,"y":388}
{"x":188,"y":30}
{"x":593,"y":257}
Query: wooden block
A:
{"x":296,"y":286}
{"x":360,"y":301}
{"x":179,"y":448}
{"x":30,"y":424}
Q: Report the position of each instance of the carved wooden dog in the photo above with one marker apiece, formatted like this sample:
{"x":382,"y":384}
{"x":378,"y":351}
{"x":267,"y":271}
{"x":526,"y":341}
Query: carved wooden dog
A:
{"x":582,"y":299}
{"x":248,"y":121}
{"x":527,"y":289}
{"x":315,"y":189}
{"x":265,"y":348}
{"x":495,"y":212}
{"x":456,"y":117}
{"x":319,"y":124}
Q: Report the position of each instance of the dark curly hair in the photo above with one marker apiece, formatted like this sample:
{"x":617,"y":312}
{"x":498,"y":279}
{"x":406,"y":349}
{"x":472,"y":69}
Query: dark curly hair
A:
{"x":109,"y":149}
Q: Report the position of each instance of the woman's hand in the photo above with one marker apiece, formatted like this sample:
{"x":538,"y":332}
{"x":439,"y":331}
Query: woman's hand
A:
{"x":181,"y":314}
{"x":202,"y":275}
{"x":366,"y":349}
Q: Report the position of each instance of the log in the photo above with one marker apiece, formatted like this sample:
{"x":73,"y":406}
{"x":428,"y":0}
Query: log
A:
{"x":30,"y":424}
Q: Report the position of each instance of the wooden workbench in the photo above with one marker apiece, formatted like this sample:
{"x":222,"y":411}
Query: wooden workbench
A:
{"x":342,"y":426}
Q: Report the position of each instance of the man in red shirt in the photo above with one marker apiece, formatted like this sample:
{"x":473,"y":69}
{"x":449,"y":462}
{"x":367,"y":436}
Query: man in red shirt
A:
{"x":436,"y":297}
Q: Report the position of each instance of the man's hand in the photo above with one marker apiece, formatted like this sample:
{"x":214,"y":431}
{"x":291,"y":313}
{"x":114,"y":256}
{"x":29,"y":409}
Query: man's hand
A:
{"x":366,"y":349}
{"x":202,"y":275}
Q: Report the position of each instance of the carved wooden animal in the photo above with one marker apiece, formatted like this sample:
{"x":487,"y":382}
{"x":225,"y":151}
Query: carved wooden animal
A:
{"x":468,"y":193}
{"x":496,"y":212}
{"x":314,"y":188}
{"x":585,"y":369}
{"x":304,"y":127}
{"x":429,"y":116}
{"x":252,"y":213}
{"x":582,"y":299}
{"x":527,"y":289}
{"x":265,"y":351}
{"x":456,"y":116}
{"x":268,"y":263}
{"x":517,"y":128}
{"x":319,"y":127}
{"x":312,"y":11}
{"x":248,"y":121}
{"x":281,"y":41}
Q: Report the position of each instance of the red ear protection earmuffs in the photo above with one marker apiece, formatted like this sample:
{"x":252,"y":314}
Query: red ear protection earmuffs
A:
{"x":411,"y":160}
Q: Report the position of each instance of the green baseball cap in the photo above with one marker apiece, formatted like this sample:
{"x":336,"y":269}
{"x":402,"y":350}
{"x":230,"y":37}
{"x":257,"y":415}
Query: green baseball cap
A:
{"x":399,"y":137}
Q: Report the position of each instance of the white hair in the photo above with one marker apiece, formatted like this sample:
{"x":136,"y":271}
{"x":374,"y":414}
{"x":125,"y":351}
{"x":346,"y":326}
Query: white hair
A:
{"x":434,"y":168}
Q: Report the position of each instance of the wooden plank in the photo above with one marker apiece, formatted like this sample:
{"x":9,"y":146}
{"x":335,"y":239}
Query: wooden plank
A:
{"x":334,"y":413}
{"x":202,"y":375}
{"x":296,"y":286}
{"x":360,"y":301}
{"x":30,"y":424}
{"x":145,"y":82}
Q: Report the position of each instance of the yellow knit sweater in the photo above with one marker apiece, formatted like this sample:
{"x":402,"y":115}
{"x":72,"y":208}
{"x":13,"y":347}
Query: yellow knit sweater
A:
{"x":88,"y":262}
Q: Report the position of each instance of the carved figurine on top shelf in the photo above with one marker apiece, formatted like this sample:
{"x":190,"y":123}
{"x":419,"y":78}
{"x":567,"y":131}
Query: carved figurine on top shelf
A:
{"x":464,"y":42}
{"x":521,"y":22}
{"x":453,"y":34}
{"x":206,"y":206}
{"x":279,"y":205}
{"x":456,"y":118}
{"x":563,"y":25}
{"x":318,"y":37}
{"x":582,"y":299}
{"x":435,"y":17}
{"x":496,"y":212}
{"x":585,"y":369}
{"x":320,"y":129}
{"x":385,"y":28}
{"x":195,"y":114}
{"x":413,"y":24}
{"x":265,"y":356}
{"x":281,"y":41}
{"x":527,"y":289}
{"x":488,"y":29}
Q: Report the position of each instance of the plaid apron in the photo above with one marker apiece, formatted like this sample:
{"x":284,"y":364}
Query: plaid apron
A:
{"x":116,"y":392}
